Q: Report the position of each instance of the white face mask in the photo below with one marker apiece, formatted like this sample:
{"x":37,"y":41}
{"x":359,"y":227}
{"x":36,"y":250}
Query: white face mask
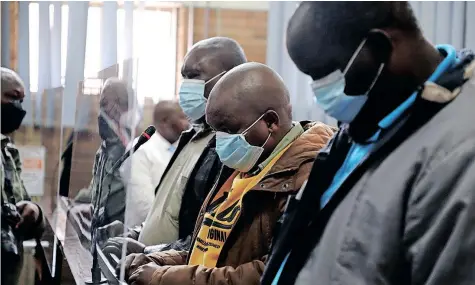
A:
{"x":192,"y":99}
{"x":330,"y":94}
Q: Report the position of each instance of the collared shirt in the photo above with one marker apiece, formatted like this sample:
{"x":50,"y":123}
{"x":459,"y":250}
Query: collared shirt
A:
{"x":141,"y":173}
{"x":10,"y":173}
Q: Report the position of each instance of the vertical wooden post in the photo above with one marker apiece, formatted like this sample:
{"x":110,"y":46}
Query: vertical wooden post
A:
{"x":182,"y":39}
{"x":13,"y":10}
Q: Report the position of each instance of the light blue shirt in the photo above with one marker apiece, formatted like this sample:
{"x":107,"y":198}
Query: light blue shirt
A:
{"x":358,"y":152}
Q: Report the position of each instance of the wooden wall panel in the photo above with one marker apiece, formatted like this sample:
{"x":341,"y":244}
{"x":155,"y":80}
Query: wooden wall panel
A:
{"x":249,"y":28}
{"x":13,"y":10}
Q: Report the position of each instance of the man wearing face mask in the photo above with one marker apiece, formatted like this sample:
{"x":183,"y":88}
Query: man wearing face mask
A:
{"x":115,"y":124}
{"x":194,"y":167}
{"x":272,"y":156}
{"x":390,"y":200}
{"x":21,"y":218}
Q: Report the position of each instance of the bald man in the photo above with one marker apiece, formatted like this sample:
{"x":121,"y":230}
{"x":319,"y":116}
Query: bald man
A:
{"x":21,"y":218}
{"x":116,"y":120}
{"x":143,"y":171}
{"x":169,"y":120}
{"x":194,"y":167}
{"x":271,"y":157}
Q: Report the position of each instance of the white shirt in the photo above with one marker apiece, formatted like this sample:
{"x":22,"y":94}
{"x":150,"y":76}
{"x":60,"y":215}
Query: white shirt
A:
{"x":141,"y":173}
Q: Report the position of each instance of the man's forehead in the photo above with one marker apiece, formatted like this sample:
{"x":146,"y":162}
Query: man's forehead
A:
{"x":318,"y":67}
{"x":222,"y":118}
{"x":198,"y":58}
{"x":13,"y":88}
{"x":227,"y":112}
{"x":13,"y":93}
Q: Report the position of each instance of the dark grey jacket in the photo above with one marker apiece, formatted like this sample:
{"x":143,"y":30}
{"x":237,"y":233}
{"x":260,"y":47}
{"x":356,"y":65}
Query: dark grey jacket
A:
{"x":112,"y":201}
{"x":408,"y":217}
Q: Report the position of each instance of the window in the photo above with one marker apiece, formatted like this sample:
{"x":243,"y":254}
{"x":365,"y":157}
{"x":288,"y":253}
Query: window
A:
{"x":34,"y":29}
{"x":154,"y":40}
{"x":154,"y":47}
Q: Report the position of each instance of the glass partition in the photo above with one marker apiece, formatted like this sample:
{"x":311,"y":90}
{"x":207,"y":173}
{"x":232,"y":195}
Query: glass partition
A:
{"x":39,"y":145}
{"x":107,"y":116}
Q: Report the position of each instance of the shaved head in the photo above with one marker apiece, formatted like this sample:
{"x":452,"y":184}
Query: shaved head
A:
{"x":223,"y":53}
{"x":250,"y":89}
{"x":12,"y":95}
{"x":169,"y":120}
{"x":211,"y":57}
{"x":12,"y":86}
{"x":115,"y":98}
{"x":165,"y":109}
{"x":10,"y":80}
{"x":251,"y":98}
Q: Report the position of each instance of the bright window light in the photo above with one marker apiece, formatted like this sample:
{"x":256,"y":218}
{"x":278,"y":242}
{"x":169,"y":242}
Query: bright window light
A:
{"x":154,"y":49}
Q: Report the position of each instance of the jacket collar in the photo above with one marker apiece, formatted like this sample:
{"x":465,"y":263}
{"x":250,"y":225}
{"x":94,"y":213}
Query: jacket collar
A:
{"x":303,"y":149}
{"x":289,"y":138}
{"x":363,"y":132}
{"x":200,"y":131}
{"x":5,"y":140}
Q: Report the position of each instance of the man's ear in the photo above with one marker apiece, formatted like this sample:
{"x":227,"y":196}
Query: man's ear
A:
{"x":381,"y":44}
{"x":272,"y":120}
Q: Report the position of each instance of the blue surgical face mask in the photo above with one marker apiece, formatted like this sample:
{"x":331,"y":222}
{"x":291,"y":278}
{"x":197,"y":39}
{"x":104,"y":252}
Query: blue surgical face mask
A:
{"x":235,"y":152}
{"x":330,"y":94}
{"x":192,"y":99}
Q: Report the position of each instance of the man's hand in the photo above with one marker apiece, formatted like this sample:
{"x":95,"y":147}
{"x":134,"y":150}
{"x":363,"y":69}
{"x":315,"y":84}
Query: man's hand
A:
{"x":132,"y":263}
{"x":82,"y":212}
{"x":143,"y":275}
{"x":114,"y":246}
{"x":30,"y":213}
{"x":114,"y":229}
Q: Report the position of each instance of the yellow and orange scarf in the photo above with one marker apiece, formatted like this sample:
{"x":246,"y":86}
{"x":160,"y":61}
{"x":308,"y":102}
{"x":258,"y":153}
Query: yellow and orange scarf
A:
{"x":222,"y":214}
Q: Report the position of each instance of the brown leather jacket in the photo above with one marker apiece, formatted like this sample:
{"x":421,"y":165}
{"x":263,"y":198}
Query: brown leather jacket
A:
{"x":242,"y":258}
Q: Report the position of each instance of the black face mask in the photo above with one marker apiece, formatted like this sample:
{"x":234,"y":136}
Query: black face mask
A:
{"x":12,"y":116}
{"x":104,"y":130}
